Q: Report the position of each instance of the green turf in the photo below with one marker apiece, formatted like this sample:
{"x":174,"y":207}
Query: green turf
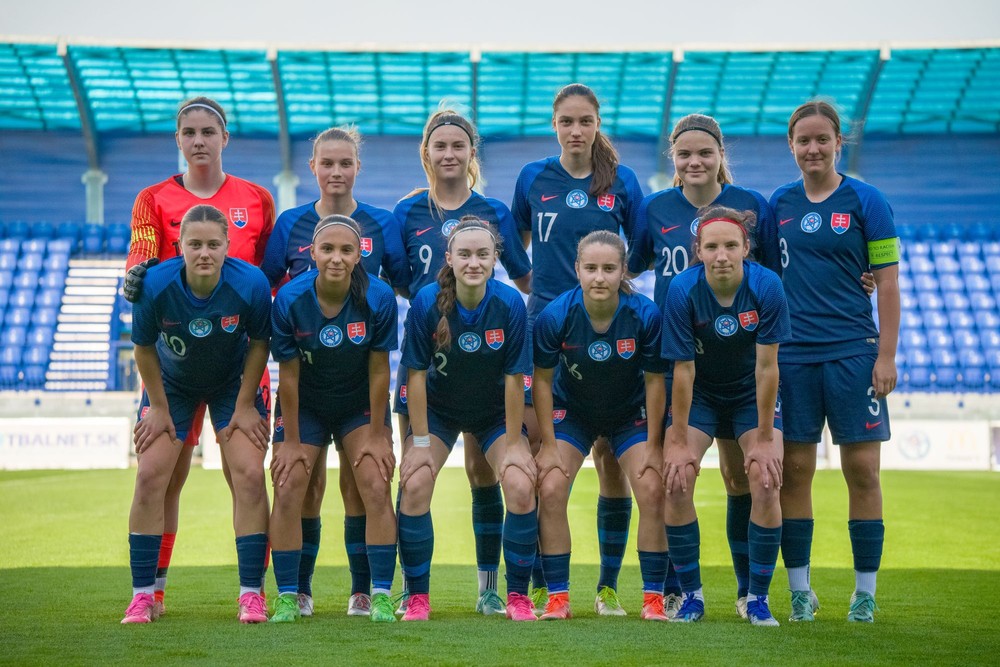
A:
{"x":64,"y":584}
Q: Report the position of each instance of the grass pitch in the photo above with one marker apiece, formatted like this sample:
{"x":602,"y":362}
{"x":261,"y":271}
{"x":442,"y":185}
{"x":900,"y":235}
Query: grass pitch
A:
{"x":64,"y":584}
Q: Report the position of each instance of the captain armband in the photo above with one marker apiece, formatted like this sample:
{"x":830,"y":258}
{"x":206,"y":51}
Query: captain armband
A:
{"x":883,"y":251}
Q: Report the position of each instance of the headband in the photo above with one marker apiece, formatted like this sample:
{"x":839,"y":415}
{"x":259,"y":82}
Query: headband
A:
{"x":729,"y":220}
{"x":472,"y":228}
{"x":472,"y":141}
{"x":323,"y":225}
{"x":707,"y":131}
{"x":199,"y":105}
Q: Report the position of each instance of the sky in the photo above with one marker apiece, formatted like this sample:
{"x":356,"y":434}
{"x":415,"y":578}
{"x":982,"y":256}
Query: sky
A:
{"x":514,"y":24}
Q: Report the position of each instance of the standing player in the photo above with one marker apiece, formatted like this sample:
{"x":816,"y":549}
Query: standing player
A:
{"x":335,"y":163}
{"x":201,"y":330}
{"x":838,"y":367}
{"x":448,"y":153}
{"x":465,"y":339}
{"x":597,"y":342}
{"x":665,"y":228}
{"x":558,"y":201}
{"x":201,"y":136}
{"x":722,"y":322}
{"x":333,"y":330}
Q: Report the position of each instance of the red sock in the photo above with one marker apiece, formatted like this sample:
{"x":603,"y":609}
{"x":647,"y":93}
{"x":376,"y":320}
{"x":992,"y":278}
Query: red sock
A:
{"x":166,"y":551}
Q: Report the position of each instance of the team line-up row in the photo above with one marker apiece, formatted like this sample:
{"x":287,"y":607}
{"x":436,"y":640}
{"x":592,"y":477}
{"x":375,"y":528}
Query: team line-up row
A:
{"x":647,"y":384}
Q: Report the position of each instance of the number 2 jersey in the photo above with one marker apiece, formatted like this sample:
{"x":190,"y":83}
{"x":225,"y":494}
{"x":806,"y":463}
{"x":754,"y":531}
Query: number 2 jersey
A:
{"x":158,"y":210}
{"x":202,"y":343}
{"x":334,"y":351}
{"x":722,"y":340}
{"x":466,"y":383}
{"x":599,"y":375}
{"x":825,"y":247}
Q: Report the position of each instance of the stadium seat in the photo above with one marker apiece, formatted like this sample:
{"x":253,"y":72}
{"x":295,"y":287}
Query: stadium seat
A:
{"x":11,"y":355}
{"x":34,"y":376}
{"x":969,"y":250}
{"x":37,"y":355}
{"x":946,"y":247}
{"x":60,"y":246}
{"x":989,"y":340}
{"x":45,"y":316}
{"x":13,"y":336}
{"x":982,"y":231}
{"x":30,"y":262}
{"x":977,"y":282}
{"x":6,"y":278}
{"x":4,"y":297}
{"x":981,"y":301}
{"x":33,"y":246}
{"x":118,"y":236}
{"x":26,"y":280}
{"x":8,"y":260}
{"x":965,"y":339}
{"x":22,"y":298}
{"x":992,"y":264}
{"x":922,"y":248}
{"x":956,"y":301}
{"x":950,"y":282}
{"x":53,"y":279}
{"x":41,"y":336}
{"x":18,"y":317}
{"x":918,"y":378}
{"x":908,"y":301}
{"x":10,"y":245}
{"x":925,"y":282}
{"x":911,"y":319}
{"x":905,"y":283}
{"x":17,"y":229}
{"x":959,"y":319}
{"x":920,"y":264}
{"x":42,"y":230}
{"x":912,"y":339}
{"x":69,"y":231}
{"x":946,"y":264}
{"x":93,"y":239}
{"x":945,"y":378}
{"x":987,"y":322}
{"x":48,"y":298}
{"x":935,"y":319}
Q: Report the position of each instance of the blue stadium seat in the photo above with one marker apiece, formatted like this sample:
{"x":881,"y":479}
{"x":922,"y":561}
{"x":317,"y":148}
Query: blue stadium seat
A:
{"x":118,"y":235}
{"x":26,"y":280}
{"x":930,"y":301}
{"x":969,"y":249}
{"x":922,"y":248}
{"x":35,"y":355}
{"x":60,"y":246}
{"x":905,"y":283}
{"x":10,"y":245}
{"x":956,"y":301}
{"x":8,"y":260}
{"x":935,"y":319}
{"x":11,"y":355}
{"x":918,"y":377}
{"x":946,"y":264}
{"x":4,"y":297}
{"x":920,"y":264}
{"x":9,"y":376}
{"x":34,"y":377}
{"x":993,"y":264}
{"x":71,"y":231}
{"x":991,"y":249}
{"x":983,"y":231}
{"x":982,"y":301}
{"x":56,"y":262}
{"x":45,"y":316}
{"x":48,"y":298}
{"x":989,"y":339}
{"x":13,"y":336}
{"x":939,"y":339}
{"x":973,"y":378}
{"x":18,"y":317}
{"x":33,"y":246}
{"x":22,"y":298}
{"x":912,"y":339}
{"x":906,"y":233}
{"x":925,"y":282}
{"x":950,"y":282}
{"x":41,"y":336}
{"x":17,"y":229}
{"x":908,"y":301}
{"x":965,"y":339}
{"x":30,"y":262}
{"x":947,"y":247}
{"x":945,"y":378}
{"x":911,"y":319}
{"x":987,"y":321}
{"x":42,"y":230}
{"x":960,"y":319}
{"x":977,"y":282}
{"x":93,"y":238}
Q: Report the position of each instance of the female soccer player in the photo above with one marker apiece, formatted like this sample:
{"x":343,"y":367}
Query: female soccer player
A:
{"x":467,"y":353}
{"x":449,"y":155}
{"x":558,"y":201}
{"x":722,"y":322}
{"x":201,"y":330}
{"x":665,"y":229}
{"x":335,"y":163}
{"x":597,"y":341}
{"x":333,"y":330}
{"x":838,"y":366}
{"x":201,"y":136}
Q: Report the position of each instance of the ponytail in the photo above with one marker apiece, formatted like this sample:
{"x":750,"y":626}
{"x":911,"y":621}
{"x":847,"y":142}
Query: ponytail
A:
{"x":603,"y":156}
{"x":445,"y":304}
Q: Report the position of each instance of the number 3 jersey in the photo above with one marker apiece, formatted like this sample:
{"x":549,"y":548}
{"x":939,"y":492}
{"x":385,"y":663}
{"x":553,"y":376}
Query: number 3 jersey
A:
{"x":599,"y":375}
{"x":465,"y":384}
{"x":722,"y":340}
{"x":202,"y":343}
{"x":333,"y":351}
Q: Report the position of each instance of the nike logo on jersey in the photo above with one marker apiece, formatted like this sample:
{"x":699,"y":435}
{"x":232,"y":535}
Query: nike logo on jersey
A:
{"x":571,"y":347}
{"x":303,"y":248}
{"x":667,"y":230}
{"x":548,"y":197}
{"x":169,"y":323}
{"x":869,"y":426}
{"x":303,"y":334}
{"x":424,"y":231}
{"x":175,"y":223}
{"x":781,"y":222}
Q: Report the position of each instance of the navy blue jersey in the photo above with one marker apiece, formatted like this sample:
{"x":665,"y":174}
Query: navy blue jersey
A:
{"x":333,"y":350}
{"x":666,"y":224}
{"x":202,"y":343}
{"x":559,"y":210}
{"x":824,"y":250}
{"x":722,"y":340}
{"x":425,"y":235}
{"x":466,"y":383}
{"x":599,"y":375}
{"x":381,"y":246}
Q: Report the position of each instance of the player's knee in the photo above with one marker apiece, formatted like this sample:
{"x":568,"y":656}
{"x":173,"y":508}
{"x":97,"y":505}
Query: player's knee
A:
{"x":553,"y":491}
{"x":648,"y":491}
{"x":518,"y":491}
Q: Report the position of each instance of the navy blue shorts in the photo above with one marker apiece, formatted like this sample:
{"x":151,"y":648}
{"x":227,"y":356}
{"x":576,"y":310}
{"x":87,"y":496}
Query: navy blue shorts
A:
{"x":725,"y":421}
{"x":399,"y":395}
{"x":447,"y":430}
{"x":536,"y":304}
{"x":186,"y":407}
{"x":574,"y":429}
{"x":839,"y":392}
{"x":319,"y":429}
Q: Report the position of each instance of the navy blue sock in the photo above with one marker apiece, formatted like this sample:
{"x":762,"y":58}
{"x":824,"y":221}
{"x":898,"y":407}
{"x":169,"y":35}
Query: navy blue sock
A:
{"x":357,"y":555}
{"x":671,"y":585}
{"x":764,"y":545}
{"x":416,"y":548}
{"x":867,"y":538}
{"x":613,"y":517}
{"x":556,"y":568}
{"x":537,"y":575}
{"x":311,"y":529}
{"x":796,"y":542}
{"x":382,"y":562}
{"x":737,"y":529}
{"x":250,"y":553}
{"x":143,"y":555}
{"x":487,"y":525}
{"x":286,"y":570}
{"x":653,"y":567}
{"x":685,"y":551}
{"x":520,"y":540}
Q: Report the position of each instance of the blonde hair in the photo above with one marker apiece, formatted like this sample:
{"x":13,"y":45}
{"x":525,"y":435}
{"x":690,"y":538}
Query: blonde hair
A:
{"x":474,"y":173}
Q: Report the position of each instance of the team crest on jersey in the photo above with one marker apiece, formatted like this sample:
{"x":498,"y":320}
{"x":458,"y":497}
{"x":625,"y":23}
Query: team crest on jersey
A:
{"x":694,"y":227}
{"x":749,"y":320}
{"x":811,"y":222}
{"x":279,"y":423}
{"x":448,"y":226}
{"x":527,"y":383}
{"x":356,"y":332}
{"x":494,"y":338}
{"x":725,"y":325}
{"x":840,"y":222}
{"x":577,"y":199}
{"x":200,"y":327}
{"x":331,"y":335}
{"x":626,"y":347}
{"x":366,"y":246}
{"x":599,"y":350}
{"x":558,"y":416}
{"x":402,"y":394}
{"x":229,"y":323}
{"x":606,"y":202}
{"x":239,"y":217}
{"x":469,"y":341}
